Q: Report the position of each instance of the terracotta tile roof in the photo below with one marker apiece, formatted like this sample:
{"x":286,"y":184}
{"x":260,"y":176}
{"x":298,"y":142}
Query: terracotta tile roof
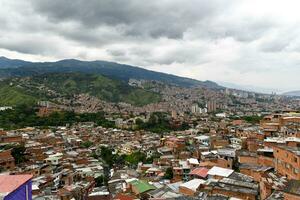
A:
{"x":201,"y":171}
{"x":9,"y":183}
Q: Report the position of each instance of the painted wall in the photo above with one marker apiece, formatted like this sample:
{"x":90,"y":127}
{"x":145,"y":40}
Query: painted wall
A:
{"x":20,"y":193}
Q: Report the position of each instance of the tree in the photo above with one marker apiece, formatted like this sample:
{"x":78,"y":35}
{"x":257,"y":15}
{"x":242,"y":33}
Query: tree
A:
{"x":107,"y":155}
{"x":86,"y":144}
{"x":101,"y":181}
{"x":18,"y":153}
{"x":252,"y":119}
{"x":139,"y":122}
{"x":169,"y":173}
{"x":159,"y":122}
{"x":119,"y":160}
{"x":23,"y":116}
{"x":135,"y":158}
{"x":184,"y":126}
{"x":150,"y":160}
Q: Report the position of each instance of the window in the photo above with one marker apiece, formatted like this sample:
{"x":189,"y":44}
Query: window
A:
{"x":296,"y":171}
{"x":293,"y":170}
{"x":295,"y":159}
{"x":279,"y":161}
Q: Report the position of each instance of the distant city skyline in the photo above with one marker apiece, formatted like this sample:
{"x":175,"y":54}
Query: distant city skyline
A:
{"x":248,"y":43}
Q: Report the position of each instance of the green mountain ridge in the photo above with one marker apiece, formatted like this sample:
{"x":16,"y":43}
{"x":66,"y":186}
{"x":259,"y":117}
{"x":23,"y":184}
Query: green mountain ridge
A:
{"x":11,"y":96}
{"x":109,"y":69}
{"x":29,"y":90}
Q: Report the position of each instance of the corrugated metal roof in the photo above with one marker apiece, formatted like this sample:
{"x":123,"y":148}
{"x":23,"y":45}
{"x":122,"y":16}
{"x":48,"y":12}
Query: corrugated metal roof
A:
{"x":142,"y":186}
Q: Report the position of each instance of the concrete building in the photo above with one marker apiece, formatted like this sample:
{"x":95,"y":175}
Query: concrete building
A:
{"x":211,"y":106}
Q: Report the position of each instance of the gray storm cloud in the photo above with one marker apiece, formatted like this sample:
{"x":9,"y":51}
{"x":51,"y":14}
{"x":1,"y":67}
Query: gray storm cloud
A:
{"x":248,"y":41}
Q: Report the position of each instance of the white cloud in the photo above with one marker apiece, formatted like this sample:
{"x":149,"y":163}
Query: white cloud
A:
{"x":249,"y":42}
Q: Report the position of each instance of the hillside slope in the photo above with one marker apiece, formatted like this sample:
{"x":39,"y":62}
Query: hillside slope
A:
{"x":43,"y":87}
{"x":11,"y":63}
{"x":109,"y":69}
{"x":292,"y":93}
{"x":11,"y":95}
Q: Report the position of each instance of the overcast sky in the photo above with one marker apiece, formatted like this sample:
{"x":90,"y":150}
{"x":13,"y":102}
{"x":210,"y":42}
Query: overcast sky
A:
{"x":246,"y":42}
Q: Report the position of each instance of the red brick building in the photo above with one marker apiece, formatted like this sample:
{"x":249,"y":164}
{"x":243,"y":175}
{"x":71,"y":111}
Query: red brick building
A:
{"x":7,"y":161}
{"x":287,"y":161}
